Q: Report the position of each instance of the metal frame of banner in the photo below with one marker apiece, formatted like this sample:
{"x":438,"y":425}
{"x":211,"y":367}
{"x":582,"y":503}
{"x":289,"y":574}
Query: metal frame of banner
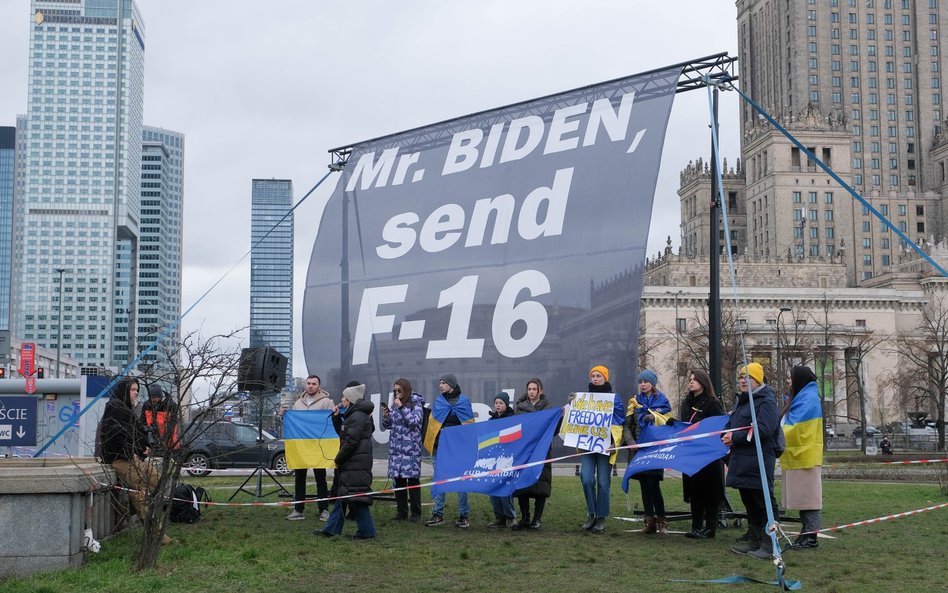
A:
{"x":696,"y":74}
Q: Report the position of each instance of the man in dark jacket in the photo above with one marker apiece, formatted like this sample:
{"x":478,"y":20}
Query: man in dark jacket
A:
{"x":124,"y":444}
{"x":743,"y":469}
{"x":160,"y":415}
{"x":352,"y":419}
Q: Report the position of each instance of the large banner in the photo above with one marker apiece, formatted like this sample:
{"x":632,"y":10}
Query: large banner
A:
{"x":498,"y":246}
{"x":495,"y":446}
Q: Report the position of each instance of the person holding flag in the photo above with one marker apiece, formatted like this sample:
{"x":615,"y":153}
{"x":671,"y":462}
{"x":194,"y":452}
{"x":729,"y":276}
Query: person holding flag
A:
{"x":451,"y":408}
{"x":802,"y":460}
{"x":314,"y":397}
{"x":703,"y":490}
{"x":651,"y":407}
{"x":534,"y":400}
{"x":502,"y":505}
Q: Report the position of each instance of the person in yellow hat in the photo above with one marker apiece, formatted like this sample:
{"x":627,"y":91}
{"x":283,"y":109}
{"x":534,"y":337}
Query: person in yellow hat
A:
{"x":595,"y":468}
{"x":743,"y":469}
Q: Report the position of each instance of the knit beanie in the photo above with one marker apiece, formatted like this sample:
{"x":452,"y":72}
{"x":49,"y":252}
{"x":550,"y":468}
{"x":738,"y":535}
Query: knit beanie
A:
{"x":754,"y":371}
{"x":451,"y":380}
{"x":601,"y":369}
{"x":353,"y":393}
{"x":503,"y":397}
{"x":154,"y":390}
{"x":650,"y":376}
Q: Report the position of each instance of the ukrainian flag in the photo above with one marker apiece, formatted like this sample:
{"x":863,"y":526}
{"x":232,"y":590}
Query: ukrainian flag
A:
{"x":439,"y":413}
{"x":803,"y":430}
{"x":311,"y":440}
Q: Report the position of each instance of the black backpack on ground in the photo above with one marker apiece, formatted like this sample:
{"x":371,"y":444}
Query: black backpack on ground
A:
{"x":186,"y":503}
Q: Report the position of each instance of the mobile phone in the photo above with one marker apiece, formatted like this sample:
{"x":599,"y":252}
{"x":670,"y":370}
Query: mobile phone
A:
{"x":384,"y":404}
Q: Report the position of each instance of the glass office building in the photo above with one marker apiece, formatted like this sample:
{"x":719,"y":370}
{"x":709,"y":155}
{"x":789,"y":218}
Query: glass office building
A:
{"x":159,"y":258}
{"x":271,"y":268}
{"x":77,"y":210}
{"x":7,"y":187}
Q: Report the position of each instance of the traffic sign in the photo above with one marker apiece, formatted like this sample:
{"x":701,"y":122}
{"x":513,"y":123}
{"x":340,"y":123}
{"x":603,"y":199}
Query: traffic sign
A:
{"x":27,"y":358}
{"x":31,"y":385}
{"x":17,"y":422}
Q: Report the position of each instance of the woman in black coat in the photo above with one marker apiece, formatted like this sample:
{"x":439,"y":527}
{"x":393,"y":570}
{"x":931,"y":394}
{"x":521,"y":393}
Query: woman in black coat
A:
{"x":352,"y":419}
{"x":743,"y":470}
{"x":534,"y":400}
{"x":705,"y":489}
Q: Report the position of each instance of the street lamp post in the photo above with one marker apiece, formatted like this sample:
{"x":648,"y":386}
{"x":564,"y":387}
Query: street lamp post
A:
{"x":59,"y":331}
{"x":779,"y":377}
{"x":677,"y":340}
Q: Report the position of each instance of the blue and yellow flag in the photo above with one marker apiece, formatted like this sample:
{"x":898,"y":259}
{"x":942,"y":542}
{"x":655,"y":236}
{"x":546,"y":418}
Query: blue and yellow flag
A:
{"x":495,"y":446}
{"x":439,"y":412}
{"x":311,"y":440}
{"x":688,"y":457}
{"x":803,"y":430}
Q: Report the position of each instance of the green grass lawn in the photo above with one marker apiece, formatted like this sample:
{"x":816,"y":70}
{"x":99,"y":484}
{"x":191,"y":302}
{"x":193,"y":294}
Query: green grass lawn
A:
{"x":251,"y":549}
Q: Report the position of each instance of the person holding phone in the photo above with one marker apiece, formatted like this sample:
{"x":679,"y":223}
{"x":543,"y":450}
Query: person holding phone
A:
{"x":404,"y":419}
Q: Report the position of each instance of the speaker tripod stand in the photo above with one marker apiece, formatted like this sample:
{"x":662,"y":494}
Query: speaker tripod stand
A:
{"x":262,"y":469}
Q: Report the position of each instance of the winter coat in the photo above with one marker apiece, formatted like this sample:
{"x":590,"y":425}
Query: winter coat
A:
{"x":508,"y":412}
{"x":743,"y":470}
{"x":354,"y":460}
{"x":122,"y":434}
{"x":404,"y":444}
{"x":162,"y":420}
{"x":708,"y":482}
{"x":543,"y":487}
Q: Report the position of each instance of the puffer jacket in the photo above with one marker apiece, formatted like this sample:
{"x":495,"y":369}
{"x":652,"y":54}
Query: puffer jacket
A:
{"x":404,"y":444}
{"x":743,"y":470}
{"x":354,"y":460}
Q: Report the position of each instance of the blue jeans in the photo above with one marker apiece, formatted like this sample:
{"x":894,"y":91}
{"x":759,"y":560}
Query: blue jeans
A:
{"x":365,"y":527}
{"x":464,"y":509}
{"x":503,"y":506}
{"x":596,"y":475}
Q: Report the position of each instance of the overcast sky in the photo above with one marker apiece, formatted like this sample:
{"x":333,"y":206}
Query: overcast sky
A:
{"x":265,"y":88}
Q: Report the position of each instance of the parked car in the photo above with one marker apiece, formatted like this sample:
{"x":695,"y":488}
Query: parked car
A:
{"x":225,"y":445}
{"x":871,"y":431}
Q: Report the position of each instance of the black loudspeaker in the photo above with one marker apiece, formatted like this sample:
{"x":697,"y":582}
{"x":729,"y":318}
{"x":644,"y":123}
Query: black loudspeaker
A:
{"x":261,"y":369}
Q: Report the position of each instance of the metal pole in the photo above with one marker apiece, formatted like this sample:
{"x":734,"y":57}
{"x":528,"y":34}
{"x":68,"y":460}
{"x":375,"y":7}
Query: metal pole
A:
{"x":677,"y":341}
{"x":714,"y":296}
{"x":779,"y":386}
{"x":59,"y":332}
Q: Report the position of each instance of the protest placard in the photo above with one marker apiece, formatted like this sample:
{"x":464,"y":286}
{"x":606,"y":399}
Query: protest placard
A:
{"x":588,"y":422}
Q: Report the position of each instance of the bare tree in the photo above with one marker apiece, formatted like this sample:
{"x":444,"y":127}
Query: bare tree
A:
{"x":923,"y":356}
{"x":193,"y":366}
{"x":694,"y":345}
{"x":859,"y":342}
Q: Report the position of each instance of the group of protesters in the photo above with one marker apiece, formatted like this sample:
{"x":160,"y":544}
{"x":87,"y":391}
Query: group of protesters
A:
{"x":792,"y":434}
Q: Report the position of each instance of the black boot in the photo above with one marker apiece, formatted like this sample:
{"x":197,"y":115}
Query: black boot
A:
{"x":753,"y":541}
{"x":537,"y":513}
{"x":523,"y":523}
{"x":414,"y":501}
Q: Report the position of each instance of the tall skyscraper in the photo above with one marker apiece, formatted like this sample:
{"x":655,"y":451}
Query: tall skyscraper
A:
{"x":271,"y":268}
{"x":77,"y":208}
{"x":160,"y":254}
{"x":7,"y":190}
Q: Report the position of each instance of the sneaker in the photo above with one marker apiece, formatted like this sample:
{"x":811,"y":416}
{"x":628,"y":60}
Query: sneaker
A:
{"x":435,"y":521}
{"x":462,"y":523}
{"x":324,"y":516}
{"x":295,"y":516}
{"x":90,"y":543}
